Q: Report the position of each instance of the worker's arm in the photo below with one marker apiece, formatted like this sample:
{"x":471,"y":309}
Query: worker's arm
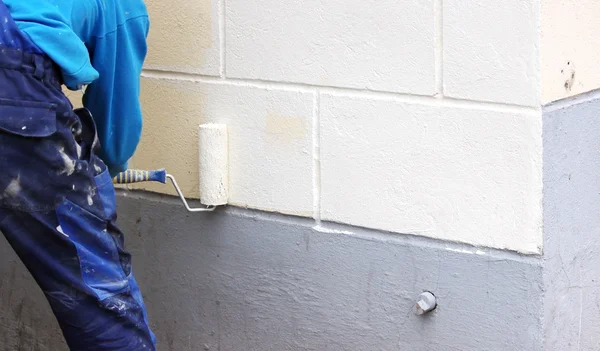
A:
{"x":113,"y":99}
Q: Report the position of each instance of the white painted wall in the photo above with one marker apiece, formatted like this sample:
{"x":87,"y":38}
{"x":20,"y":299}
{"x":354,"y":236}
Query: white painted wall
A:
{"x":415,"y":116}
{"x":491,"y":51}
{"x":449,"y":172}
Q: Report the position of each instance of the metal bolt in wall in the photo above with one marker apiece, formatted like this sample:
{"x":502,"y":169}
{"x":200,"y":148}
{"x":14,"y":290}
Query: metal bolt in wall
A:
{"x":426,"y":303}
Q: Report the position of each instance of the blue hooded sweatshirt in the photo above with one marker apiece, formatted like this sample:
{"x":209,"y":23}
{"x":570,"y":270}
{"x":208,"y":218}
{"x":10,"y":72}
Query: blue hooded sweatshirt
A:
{"x":100,"y":44}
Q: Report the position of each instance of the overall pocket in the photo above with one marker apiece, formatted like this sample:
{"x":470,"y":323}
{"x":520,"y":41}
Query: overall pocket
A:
{"x":29,"y":119}
{"x":27,"y":157}
{"x":97,"y":250}
{"x":106,"y":191}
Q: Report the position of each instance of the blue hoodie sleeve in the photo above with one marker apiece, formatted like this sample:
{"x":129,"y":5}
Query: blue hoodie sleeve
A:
{"x":113,"y":99}
{"x":45,"y":23}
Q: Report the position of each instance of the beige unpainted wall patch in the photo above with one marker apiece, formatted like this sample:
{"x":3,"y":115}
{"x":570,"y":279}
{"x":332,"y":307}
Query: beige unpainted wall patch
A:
{"x":170,"y":134}
{"x":270,"y":140}
{"x":180,"y":33}
{"x":569,"y":48}
{"x":74,"y":96}
{"x":280,"y":128}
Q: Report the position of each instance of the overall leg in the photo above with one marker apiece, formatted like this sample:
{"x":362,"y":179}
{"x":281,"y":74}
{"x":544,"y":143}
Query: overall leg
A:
{"x":57,"y":208}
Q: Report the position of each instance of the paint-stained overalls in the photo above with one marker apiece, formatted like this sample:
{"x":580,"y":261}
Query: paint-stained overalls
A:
{"x":57,"y":204}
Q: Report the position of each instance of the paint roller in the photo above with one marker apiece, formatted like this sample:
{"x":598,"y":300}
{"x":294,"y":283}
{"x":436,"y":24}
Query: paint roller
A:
{"x":213,"y":167}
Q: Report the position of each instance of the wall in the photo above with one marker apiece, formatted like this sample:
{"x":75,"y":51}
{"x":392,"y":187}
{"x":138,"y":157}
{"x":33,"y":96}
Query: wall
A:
{"x":26,"y":320}
{"x":572,"y":224}
{"x":377,"y":115}
{"x":570,"y":71}
{"x":246,"y":280}
{"x":416,"y":117}
{"x":240,"y":279}
{"x":569,"y":44}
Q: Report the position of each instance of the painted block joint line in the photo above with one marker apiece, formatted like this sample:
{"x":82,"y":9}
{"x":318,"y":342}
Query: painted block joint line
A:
{"x":222,"y":53}
{"x":439,"y":48}
{"x":317,"y":158}
{"x":349,"y":92}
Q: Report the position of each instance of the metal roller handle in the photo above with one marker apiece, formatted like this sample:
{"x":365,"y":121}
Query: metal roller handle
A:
{"x":131,"y":176}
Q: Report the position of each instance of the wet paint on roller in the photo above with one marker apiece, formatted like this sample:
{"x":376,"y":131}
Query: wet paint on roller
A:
{"x":213,"y":164}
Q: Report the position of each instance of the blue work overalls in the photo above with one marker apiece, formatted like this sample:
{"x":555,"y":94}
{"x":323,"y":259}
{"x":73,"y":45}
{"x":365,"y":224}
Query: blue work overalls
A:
{"x":57,"y":204}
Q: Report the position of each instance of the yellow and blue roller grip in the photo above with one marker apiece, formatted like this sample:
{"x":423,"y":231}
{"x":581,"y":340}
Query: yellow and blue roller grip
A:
{"x":131,"y":176}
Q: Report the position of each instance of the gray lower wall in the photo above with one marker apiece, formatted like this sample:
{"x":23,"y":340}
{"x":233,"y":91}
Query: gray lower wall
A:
{"x":242,"y":280}
{"x":26,"y":322}
{"x":572,"y":224}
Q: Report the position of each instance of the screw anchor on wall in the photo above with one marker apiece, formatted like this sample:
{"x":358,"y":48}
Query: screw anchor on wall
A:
{"x":426,"y":303}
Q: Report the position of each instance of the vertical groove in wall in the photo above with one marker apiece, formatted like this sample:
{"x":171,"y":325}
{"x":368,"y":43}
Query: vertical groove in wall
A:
{"x":317,"y":157}
{"x":439,"y":47}
{"x":222,"y":73}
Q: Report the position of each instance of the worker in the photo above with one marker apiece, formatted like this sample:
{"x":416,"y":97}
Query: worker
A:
{"x":57,"y":200}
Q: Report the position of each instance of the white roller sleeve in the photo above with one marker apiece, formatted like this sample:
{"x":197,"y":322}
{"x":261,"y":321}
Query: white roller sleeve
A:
{"x":214,"y":164}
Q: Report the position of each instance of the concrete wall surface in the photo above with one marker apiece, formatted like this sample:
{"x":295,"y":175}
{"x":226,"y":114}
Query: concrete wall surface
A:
{"x":572,"y":224}
{"x":246,"y":280}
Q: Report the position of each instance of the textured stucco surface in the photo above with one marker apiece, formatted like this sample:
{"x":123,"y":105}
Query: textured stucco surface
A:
{"x":269,"y":133}
{"x":491,"y":50}
{"x":572,"y":226}
{"x":279,"y":73}
{"x":245,"y":280}
{"x":451,"y":173}
{"x":380,"y":45}
{"x":184,"y":36}
{"x":569,"y":48}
